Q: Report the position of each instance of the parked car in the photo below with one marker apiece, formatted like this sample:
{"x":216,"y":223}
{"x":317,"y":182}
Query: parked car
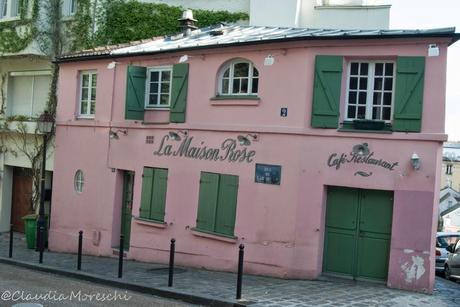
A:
{"x":443,"y":240}
{"x":452,"y":266}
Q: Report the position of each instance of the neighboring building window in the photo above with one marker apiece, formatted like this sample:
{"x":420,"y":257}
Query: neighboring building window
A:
{"x":217,"y":203}
{"x":88,"y":80}
{"x":69,"y":7}
{"x":370,"y":90}
{"x":9,"y":8}
{"x":158,"y":87}
{"x":449,"y":169}
{"x":28,"y":92}
{"x":239,"y":77}
{"x":79,"y":180}
{"x":153,"y":198}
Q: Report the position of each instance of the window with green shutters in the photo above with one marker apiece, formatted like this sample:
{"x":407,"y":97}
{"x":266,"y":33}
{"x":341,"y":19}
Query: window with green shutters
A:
{"x":153,"y":198}
{"x":217,"y":203}
{"x":377,"y":91}
{"x":171,"y":93}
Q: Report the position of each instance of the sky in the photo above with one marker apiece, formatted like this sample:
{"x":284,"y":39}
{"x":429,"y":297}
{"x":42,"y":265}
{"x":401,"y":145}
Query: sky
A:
{"x":422,"y":14}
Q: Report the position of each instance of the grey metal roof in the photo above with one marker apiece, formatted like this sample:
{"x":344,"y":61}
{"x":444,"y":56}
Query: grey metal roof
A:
{"x":224,"y":36}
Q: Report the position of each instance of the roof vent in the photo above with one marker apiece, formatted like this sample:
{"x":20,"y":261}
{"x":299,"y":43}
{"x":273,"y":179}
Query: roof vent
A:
{"x":187,"y":22}
{"x":218,"y":31}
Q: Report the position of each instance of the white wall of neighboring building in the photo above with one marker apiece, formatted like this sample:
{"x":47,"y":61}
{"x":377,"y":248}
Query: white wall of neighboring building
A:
{"x":344,"y":14}
{"x":214,"y":5}
{"x":276,"y":13}
{"x":452,"y":221}
{"x":363,"y":17}
{"x":23,"y":96}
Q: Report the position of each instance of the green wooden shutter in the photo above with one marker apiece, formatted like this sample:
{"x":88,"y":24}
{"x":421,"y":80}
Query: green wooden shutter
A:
{"x":146,"y":196}
{"x":135,"y":93}
{"x":326,"y":91}
{"x":179,"y":93}
{"x":408,"y":103}
{"x":226,"y":205}
{"x":209,"y":184}
{"x":160,"y":183}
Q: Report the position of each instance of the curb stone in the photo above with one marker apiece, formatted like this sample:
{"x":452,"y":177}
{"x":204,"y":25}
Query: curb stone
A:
{"x":165,"y":292}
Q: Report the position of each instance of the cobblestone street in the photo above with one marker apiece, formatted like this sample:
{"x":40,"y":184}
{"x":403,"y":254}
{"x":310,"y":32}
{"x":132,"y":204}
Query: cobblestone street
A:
{"x":259,"y":291}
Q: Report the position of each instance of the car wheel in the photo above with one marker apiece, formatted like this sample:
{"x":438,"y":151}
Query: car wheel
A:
{"x":447,"y":272}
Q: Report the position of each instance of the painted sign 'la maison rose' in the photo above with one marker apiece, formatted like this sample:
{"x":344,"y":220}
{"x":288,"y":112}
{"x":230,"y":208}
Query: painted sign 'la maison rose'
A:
{"x":229,"y":150}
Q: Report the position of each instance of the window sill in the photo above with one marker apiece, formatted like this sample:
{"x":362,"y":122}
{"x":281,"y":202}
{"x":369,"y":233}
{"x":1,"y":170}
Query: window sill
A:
{"x":235,"y":100}
{"x":365,"y":126}
{"x":214,"y":236}
{"x":152,"y":223}
{"x":85,"y":117}
{"x":364,"y":131}
{"x":6,"y":19}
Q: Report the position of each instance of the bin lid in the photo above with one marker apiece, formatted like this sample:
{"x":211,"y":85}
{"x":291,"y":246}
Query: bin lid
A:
{"x":30,"y":217}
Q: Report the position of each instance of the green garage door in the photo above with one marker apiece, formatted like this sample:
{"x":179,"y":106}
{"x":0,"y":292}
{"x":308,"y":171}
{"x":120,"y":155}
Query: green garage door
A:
{"x":358,"y":232}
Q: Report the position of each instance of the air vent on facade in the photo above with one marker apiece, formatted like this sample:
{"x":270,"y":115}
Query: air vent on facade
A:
{"x":149,"y":139}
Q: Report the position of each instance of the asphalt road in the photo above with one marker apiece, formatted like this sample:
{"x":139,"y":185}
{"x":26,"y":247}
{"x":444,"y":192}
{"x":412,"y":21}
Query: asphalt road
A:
{"x":19,"y":285}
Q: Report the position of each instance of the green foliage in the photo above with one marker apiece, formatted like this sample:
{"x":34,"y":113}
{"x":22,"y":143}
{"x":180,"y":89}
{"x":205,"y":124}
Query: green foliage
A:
{"x":81,"y":28}
{"x":16,"y":35}
{"x":122,"y":21}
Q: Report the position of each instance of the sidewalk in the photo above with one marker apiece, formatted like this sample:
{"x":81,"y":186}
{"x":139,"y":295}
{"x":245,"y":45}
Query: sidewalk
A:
{"x":218,"y":288}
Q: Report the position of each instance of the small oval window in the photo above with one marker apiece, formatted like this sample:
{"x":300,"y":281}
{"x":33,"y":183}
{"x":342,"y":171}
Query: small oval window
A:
{"x":79,"y":180}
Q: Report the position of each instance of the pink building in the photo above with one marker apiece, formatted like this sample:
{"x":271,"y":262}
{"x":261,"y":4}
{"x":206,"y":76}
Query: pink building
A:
{"x":320,"y":150}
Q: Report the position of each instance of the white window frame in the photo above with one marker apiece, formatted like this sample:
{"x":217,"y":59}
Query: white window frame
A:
{"x":159,"y":69}
{"x":69,"y":8}
{"x":231,"y":65}
{"x":370,"y":88}
{"x":32,"y":74}
{"x":10,"y":5}
{"x":91,"y":74}
{"x":78,"y":181}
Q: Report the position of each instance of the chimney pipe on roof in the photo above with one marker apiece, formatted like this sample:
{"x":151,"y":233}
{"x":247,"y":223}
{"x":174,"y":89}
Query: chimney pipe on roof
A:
{"x":187,"y":22}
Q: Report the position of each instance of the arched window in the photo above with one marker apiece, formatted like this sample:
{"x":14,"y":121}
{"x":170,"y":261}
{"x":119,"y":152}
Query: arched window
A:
{"x":238,"y":77}
{"x":79,"y":180}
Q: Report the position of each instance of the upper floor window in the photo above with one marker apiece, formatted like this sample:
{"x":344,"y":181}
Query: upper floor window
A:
{"x":158,"y":87}
{"x":370,"y":90}
{"x":380,"y":94}
{"x":28,"y":92}
{"x":88,"y":80}
{"x":239,"y":77}
{"x":9,"y":9}
{"x":69,"y":7}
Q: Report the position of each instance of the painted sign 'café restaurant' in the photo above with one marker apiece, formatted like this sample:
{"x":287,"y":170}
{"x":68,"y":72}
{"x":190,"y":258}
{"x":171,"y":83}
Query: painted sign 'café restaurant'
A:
{"x":319,"y":150}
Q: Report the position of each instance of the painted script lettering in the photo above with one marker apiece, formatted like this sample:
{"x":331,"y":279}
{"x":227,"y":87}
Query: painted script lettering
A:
{"x":229,"y":150}
{"x":337,"y":161}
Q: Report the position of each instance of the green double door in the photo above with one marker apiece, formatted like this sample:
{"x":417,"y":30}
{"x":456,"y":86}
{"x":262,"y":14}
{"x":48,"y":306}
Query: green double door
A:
{"x":358,"y":232}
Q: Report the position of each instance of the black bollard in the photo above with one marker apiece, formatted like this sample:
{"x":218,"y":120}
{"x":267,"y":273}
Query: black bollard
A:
{"x":172,"y":250}
{"x":239,"y":282}
{"x":41,"y":243}
{"x":80,"y":247}
{"x":10,"y":254}
{"x":120,"y":257}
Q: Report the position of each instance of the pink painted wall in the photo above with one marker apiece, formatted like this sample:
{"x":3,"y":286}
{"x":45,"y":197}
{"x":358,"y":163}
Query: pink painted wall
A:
{"x":281,"y":226}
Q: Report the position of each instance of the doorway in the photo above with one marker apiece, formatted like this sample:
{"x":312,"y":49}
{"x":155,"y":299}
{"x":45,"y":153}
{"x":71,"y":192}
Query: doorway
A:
{"x":21,"y":200}
{"x":358,"y":232}
{"x":127,"y":207}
